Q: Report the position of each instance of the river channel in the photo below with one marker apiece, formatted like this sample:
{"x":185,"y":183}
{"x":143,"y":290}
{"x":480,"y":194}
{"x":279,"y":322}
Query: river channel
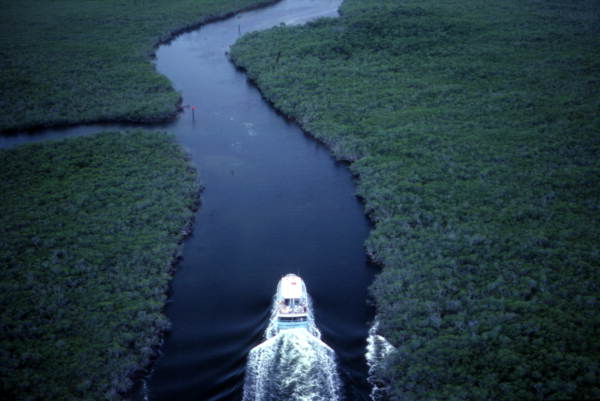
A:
{"x":275,"y":202}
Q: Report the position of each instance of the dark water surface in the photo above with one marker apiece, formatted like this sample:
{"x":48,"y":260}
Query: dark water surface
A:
{"x":275,"y":202}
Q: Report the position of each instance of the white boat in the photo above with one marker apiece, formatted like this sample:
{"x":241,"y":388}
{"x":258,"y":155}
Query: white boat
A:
{"x":292,"y":304}
{"x":292,"y":361}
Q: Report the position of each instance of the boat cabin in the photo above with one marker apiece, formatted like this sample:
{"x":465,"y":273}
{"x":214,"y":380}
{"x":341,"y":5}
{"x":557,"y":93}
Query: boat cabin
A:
{"x":293,"y":307}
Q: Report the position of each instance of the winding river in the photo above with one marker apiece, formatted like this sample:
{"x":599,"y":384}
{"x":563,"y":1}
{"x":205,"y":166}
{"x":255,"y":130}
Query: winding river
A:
{"x":275,"y":202}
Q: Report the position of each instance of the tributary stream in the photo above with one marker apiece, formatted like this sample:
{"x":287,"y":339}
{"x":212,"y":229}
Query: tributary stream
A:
{"x":275,"y":202}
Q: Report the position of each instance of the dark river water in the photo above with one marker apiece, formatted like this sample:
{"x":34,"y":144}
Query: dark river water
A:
{"x":275,"y":202}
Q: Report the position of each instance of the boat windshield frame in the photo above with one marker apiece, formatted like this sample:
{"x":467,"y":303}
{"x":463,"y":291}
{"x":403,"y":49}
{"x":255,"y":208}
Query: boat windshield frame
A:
{"x":293,"y":307}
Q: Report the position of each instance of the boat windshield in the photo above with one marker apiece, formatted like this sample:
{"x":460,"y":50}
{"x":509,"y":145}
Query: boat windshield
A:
{"x":292,"y":306}
{"x":292,"y":318}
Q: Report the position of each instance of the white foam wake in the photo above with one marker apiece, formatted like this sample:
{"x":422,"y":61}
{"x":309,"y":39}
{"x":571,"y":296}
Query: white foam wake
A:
{"x":378,"y":349}
{"x":293,"y":365}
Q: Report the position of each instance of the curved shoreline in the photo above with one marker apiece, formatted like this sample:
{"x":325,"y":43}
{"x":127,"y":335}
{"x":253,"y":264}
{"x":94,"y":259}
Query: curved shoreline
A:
{"x":443,"y":180}
{"x":172,"y":289}
{"x":208,"y":20}
{"x":155,"y":120}
{"x":142,"y":371}
{"x":104,"y":306}
{"x":337,"y":157}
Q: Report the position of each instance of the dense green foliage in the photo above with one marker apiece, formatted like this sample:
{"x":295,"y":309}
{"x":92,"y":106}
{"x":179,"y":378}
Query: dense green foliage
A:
{"x":73,"y":61}
{"x":89,"y":230}
{"x":474,"y":128}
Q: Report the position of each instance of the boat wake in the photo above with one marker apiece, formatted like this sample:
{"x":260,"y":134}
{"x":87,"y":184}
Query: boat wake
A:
{"x":292,"y":363}
{"x":378,"y":350}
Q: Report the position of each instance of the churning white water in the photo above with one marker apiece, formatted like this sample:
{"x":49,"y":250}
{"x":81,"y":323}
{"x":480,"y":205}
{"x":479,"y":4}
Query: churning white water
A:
{"x":292,"y":364}
{"x":378,"y":349}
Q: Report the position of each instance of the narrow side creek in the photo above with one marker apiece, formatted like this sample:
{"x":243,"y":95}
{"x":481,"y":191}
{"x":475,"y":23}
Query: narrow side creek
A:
{"x":275,"y":202}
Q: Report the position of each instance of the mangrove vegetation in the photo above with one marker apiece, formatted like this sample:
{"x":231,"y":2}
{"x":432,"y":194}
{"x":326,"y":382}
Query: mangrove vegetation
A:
{"x":72,"y":61}
{"x":474,"y":129}
{"x":89,"y":231}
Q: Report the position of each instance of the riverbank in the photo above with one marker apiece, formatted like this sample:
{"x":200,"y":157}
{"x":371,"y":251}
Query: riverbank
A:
{"x":69,"y":62}
{"x":90,"y":230}
{"x":473,"y":129}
